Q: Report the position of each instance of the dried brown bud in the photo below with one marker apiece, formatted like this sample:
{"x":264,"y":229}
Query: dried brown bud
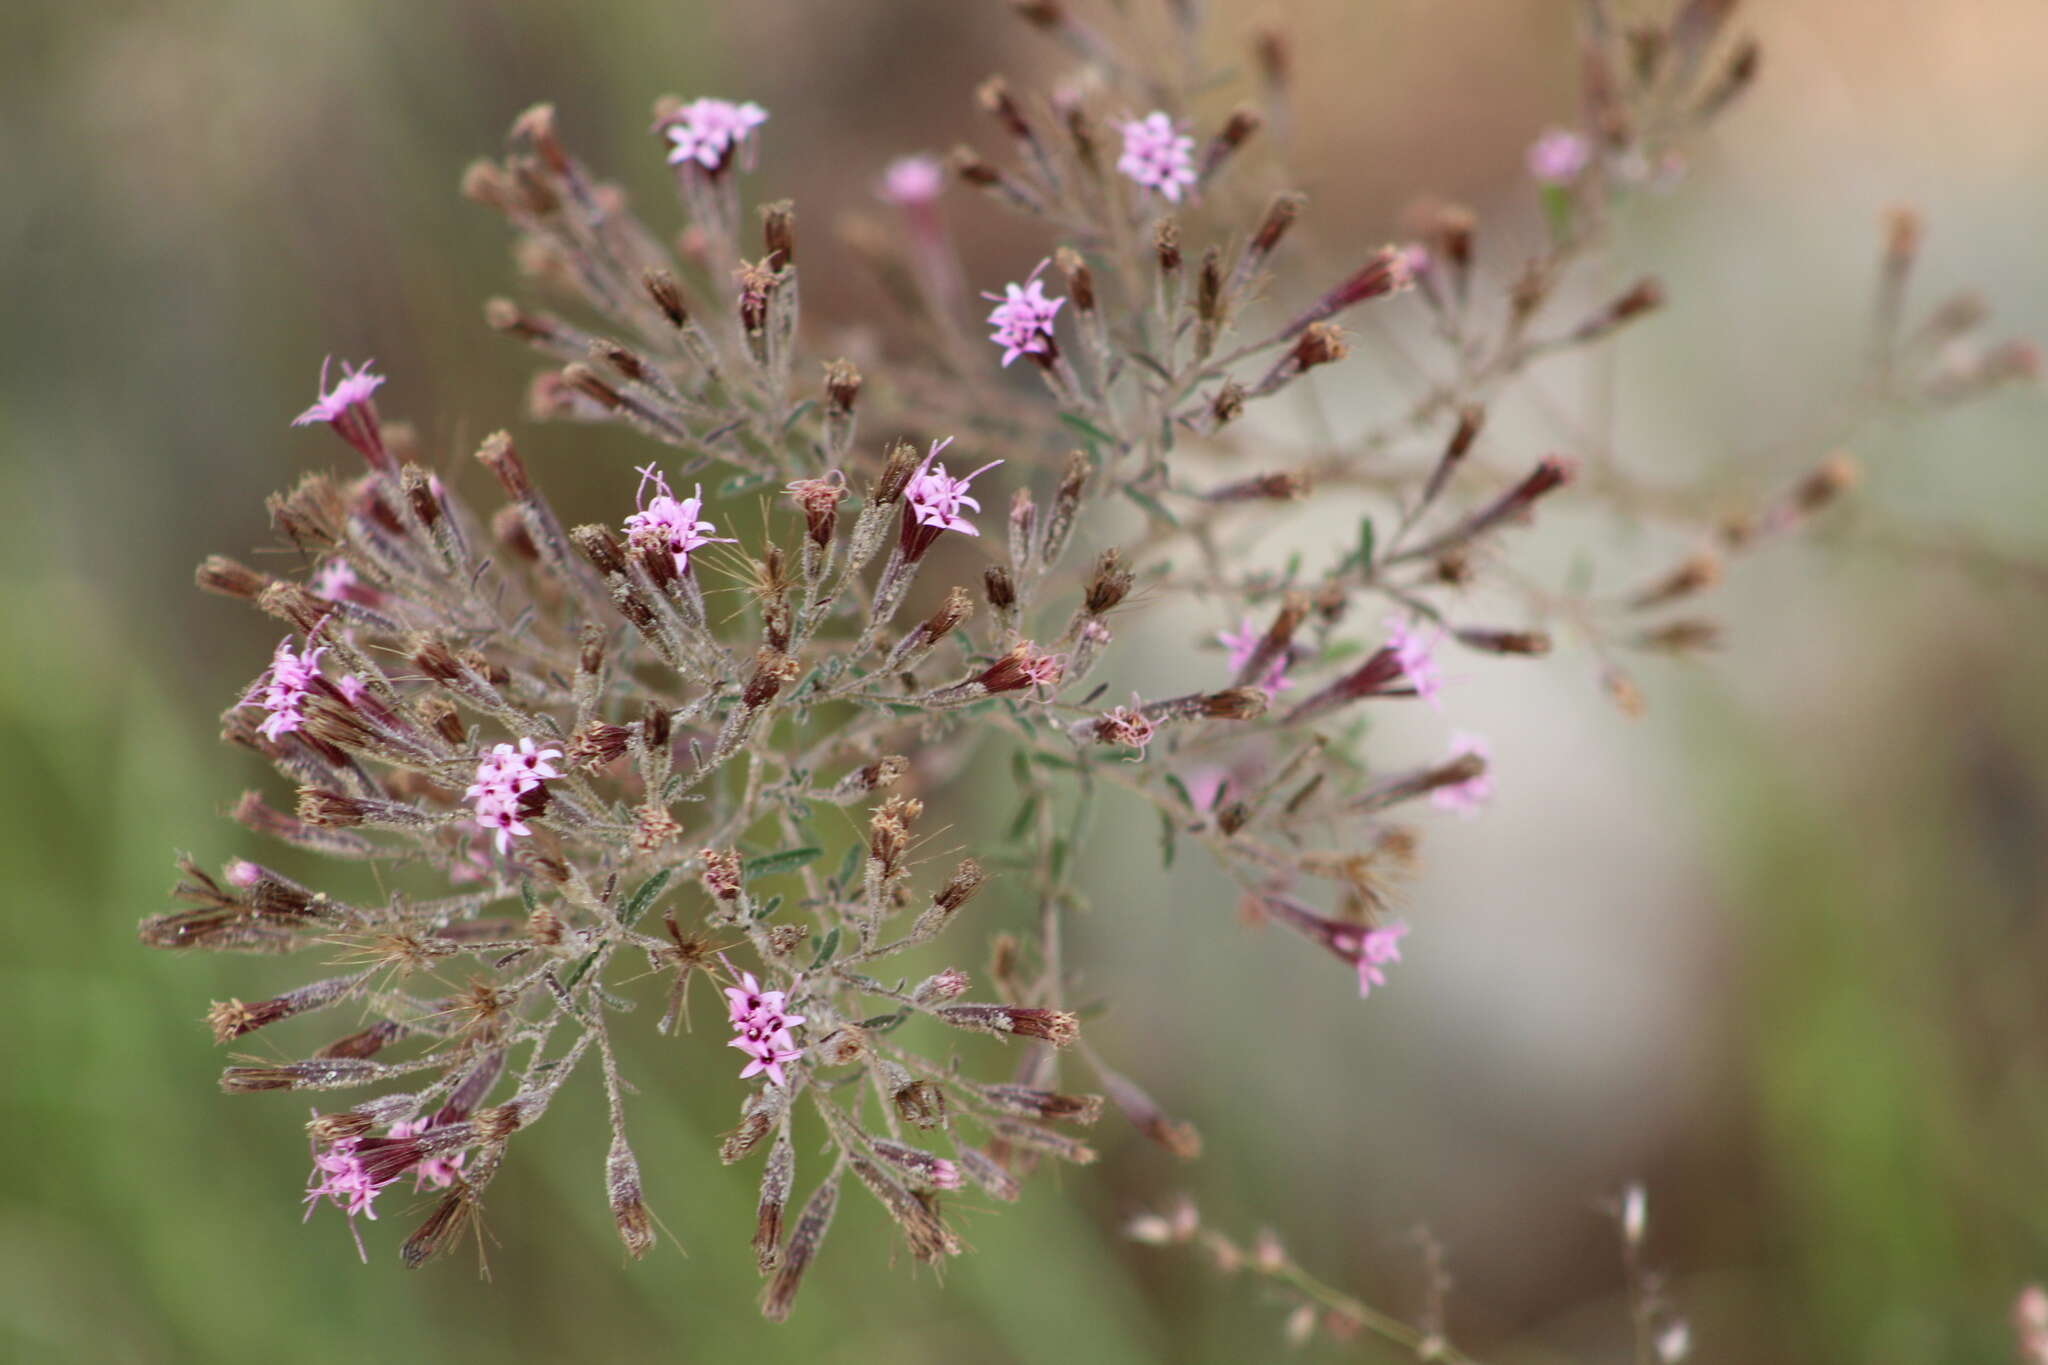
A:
{"x":898,"y":465}
{"x":585,"y":381}
{"x":1080,"y":279}
{"x":1696,"y":573}
{"x":629,"y":1208}
{"x":229,"y":578}
{"x":497,"y":455}
{"x":599,"y":546}
{"x":1535,"y":643}
{"x":667,"y":295}
{"x":1054,"y":1026}
{"x":778,"y":232}
{"x":842,"y":384}
{"x":1108,"y":585}
{"x":998,"y":587}
{"x":1166,"y":244}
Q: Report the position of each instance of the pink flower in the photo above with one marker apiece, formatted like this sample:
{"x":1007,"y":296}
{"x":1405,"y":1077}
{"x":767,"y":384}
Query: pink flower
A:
{"x":761,"y":1027}
{"x":435,"y":1172}
{"x":1468,"y":796}
{"x":1158,"y":156}
{"x":1242,"y":644}
{"x":349,"y":408}
{"x":283,"y":687}
{"x":1375,"y":949}
{"x":334,"y":580}
{"x":353,"y":389}
{"x":1417,"y":663}
{"x":708,"y":131}
{"x":913,"y":180}
{"x":510,"y":785}
{"x":338,"y":1177}
{"x":1368,"y":950}
{"x":1558,"y":157}
{"x":936,"y":497}
{"x":677,"y":522}
{"x":1023,"y":317}
{"x":766,"y":1058}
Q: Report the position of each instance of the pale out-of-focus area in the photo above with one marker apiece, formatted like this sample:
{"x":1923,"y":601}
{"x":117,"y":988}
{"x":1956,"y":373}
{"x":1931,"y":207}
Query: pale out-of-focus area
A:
{"x":1778,"y":949}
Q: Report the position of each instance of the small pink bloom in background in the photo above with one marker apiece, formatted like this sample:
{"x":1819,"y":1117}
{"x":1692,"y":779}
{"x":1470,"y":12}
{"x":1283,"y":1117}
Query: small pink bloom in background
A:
{"x":1043,"y":670}
{"x":353,"y":388}
{"x":678,"y":522}
{"x":2030,"y":1325}
{"x":945,"y":1175}
{"x":1376,"y":949}
{"x":434,"y":1173}
{"x":334,"y":579}
{"x":243,"y":873}
{"x":283,"y":687}
{"x":1558,"y":157}
{"x":1242,"y":644}
{"x":1158,"y":156}
{"x":338,"y":1177}
{"x":1468,"y":796}
{"x":936,"y":497}
{"x":351,"y":688}
{"x":1023,"y":316}
{"x":1418,"y":663}
{"x":708,"y":131}
{"x":913,"y":180}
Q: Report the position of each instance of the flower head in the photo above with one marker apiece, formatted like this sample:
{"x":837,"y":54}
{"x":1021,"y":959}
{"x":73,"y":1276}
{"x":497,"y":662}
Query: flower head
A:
{"x":1243,"y":643}
{"x":435,"y":1172}
{"x":1158,"y":155}
{"x":676,"y":522}
{"x":283,"y":687}
{"x":340,"y":1178}
{"x":1416,"y":660}
{"x":1375,"y":949}
{"x":761,"y":1026}
{"x":936,"y":497}
{"x":1558,"y":157}
{"x":913,"y":180}
{"x":1468,"y":796}
{"x":351,"y":390}
{"x":708,"y":131}
{"x":511,"y":785}
{"x":349,"y":408}
{"x":1023,"y":317}
{"x":334,"y":579}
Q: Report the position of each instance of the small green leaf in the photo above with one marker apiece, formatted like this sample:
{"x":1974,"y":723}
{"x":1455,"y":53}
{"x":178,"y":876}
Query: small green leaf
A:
{"x":1169,"y":838}
{"x":636,"y":904}
{"x":774,"y":864}
{"x":1152,"y":505}
{"x":849,"y":866}
{"x":1557,"y":211}
{"x":742,"y":483}
{"x":827,"y":946}
{"x":1088,"y":429}
{"x":576,"y":973}
{"x":882,"y":1023}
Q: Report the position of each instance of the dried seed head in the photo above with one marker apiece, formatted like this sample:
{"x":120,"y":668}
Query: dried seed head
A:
{"x":1053,"y":1026}
{"x":629,"y":1209}
{"x":1166,"y":245}
{"x":778,"y":233}
{"x":1535,"y":643}
{"x":1080,"y":279}
{"x":667,"y":295}
{"x":843,"y":1046}
{"x":721,"y":873}
{"x":898,"y":465}
{"x":1108,"y":585}
{"x":999,"y":588}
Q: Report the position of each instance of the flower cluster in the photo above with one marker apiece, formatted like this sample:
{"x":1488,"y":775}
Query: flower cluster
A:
{"x":677,"y":523}
{"x":510,"y":785}
{"x":761,"y":1028}
{"x":283,"y":688}
{"x":1158,"y":156}
{"x":1023,"y":317}
{"x":936,"y":497}
{"x":1558,"y":157}
{"x":707,"y":131}
{"x":340,"y":1178}
{"x":700,"y":765}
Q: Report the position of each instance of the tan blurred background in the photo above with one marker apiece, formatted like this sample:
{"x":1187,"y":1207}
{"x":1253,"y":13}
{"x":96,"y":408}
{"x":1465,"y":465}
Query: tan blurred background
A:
{"x":1777,"y":949}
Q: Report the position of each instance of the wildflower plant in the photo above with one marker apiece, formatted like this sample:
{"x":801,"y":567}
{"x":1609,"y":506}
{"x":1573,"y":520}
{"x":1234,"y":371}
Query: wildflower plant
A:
{"x":575,"y":755}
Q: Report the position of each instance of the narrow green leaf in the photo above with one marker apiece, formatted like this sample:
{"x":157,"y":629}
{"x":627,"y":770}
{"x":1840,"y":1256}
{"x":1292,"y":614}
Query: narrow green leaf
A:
{"x":1088,"y":429}
{"x":826,"y":947}
{"x":636,"y":904}
{"x":774,"y":864}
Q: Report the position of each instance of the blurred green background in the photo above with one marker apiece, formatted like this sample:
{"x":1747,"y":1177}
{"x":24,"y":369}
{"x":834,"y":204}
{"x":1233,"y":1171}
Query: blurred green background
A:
{"x":1777,"y":950}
